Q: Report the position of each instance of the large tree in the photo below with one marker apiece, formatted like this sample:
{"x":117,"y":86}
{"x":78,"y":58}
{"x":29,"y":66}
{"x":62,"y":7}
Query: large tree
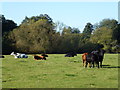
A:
{"x":7,"y":25}
{"x":116,"y":33}
{"x":88,"y":29}
{"x":104,"y":36}
{"x":109,"y":23}
{"x":107,"y":33}
{"x":34,"y":35}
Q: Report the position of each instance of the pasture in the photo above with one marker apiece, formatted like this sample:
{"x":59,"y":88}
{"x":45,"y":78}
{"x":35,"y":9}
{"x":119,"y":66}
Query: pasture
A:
{"x":58,"y":72}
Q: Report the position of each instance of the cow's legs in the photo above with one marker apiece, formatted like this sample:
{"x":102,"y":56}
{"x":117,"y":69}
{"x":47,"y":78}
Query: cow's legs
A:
{"x":98,"y":64}
{"x":86,"y":64}
{"x":92,"y":64}
{"x":101,"y":64}
{"x":83,"y":62}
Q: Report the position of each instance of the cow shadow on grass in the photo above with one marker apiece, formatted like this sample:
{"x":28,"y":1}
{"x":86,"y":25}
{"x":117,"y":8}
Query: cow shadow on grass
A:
{"x":109,"y":66}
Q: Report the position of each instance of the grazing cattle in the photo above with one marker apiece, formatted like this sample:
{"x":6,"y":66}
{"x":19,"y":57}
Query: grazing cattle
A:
{"x":1,"y":56}
{"x":92,"y":58}
{"x":95,"y":57}
{"x":71,"y":54}
{"x":19,"y":55}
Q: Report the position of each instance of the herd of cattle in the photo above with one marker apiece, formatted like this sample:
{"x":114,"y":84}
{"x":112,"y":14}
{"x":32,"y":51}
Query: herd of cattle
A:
{"x":95,"y":57}
{"x":36,"y":57}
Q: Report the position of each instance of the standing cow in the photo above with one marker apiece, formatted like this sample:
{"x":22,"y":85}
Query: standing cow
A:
{"x":84,"y":58}
{"x":94,"y":57}
{"x":101,"y":56}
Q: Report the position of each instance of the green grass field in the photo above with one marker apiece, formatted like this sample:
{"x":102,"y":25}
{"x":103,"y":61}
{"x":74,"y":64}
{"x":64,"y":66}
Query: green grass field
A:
{"x":58,"y":72}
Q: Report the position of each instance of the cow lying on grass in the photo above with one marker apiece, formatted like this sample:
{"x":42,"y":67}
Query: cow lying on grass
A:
{"x":71,"y":54}
{"x":45,"y":55}
{"x":42,"y":57}
{"x":1,"y":56}
{"x":19,"y":55}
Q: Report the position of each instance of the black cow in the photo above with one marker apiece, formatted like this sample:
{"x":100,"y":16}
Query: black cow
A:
{"x":95,"y":57}
{"x":92,"y":58}
{"x":71,"y":54}
{"x":1,"y":56}
{"x":101,"y":56}
{"x":45,"y":55}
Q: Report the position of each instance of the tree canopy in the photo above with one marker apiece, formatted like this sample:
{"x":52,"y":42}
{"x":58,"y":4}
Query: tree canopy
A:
{"x":7,"y":25}
{"x":39,"y":34}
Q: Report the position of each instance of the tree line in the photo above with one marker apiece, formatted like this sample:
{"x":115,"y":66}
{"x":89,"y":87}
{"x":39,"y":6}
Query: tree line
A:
{"x":39,"y":34}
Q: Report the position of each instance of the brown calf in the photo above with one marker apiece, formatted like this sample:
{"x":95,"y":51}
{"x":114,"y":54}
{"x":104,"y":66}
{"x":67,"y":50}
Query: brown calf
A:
{"x":84,"y":58}
{"x":36,"y":57}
